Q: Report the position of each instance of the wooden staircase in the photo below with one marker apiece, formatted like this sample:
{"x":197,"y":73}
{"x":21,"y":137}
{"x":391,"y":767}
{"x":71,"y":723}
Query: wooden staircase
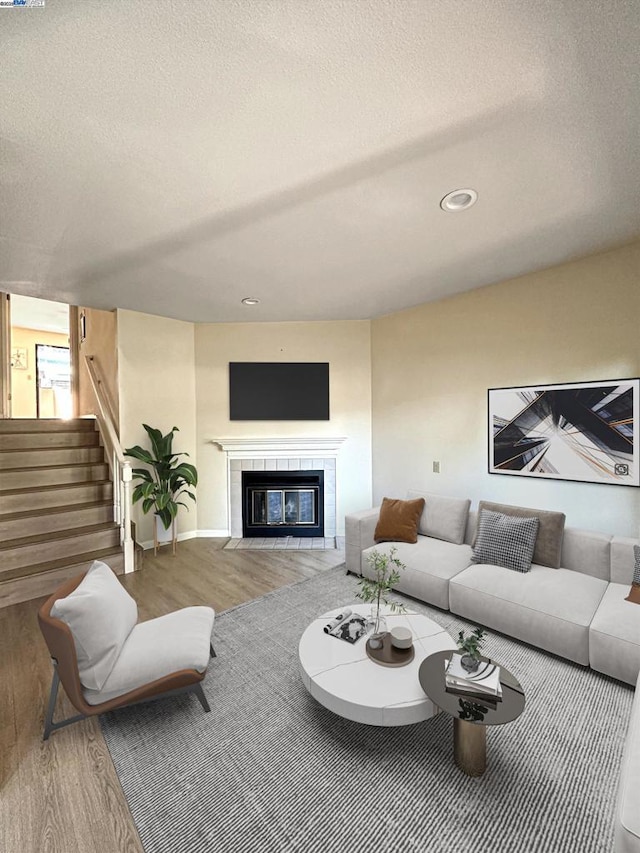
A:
{"x":56,"y":506}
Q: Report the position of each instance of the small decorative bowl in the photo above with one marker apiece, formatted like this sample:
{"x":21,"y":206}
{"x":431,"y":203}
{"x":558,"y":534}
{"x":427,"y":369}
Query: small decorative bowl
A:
{"x":401,"y":637}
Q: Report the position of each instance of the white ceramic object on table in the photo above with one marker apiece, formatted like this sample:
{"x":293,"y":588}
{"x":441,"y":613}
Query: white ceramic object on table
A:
{"x":401,"y":637}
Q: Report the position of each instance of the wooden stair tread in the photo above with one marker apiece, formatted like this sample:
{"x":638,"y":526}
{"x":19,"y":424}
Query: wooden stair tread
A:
{"x":52,"y":488}
{"x":24,"y":541}
{"x":52,"y":510}
{"x":39,"y":448}
{"x":59,"y":466}
{"x":13,"y":425}
{"x":61,"y":563}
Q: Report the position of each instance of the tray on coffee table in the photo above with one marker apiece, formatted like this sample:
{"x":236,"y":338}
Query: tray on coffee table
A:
{"x":388,"y":655}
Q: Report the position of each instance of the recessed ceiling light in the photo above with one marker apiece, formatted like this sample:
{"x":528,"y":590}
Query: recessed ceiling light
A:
{"x":250,"y":300}
{"x":459,"y":200}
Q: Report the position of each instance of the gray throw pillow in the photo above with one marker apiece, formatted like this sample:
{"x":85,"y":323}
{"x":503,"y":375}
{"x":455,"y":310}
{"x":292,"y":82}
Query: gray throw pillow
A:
{"x":101,"y":614}
{"x":548,"y":550}
{"x":504,"y":540}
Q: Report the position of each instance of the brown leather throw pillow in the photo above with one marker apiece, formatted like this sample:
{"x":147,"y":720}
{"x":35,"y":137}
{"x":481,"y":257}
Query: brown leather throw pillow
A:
{"x":398,"y":520}
{"x":634,"y":592}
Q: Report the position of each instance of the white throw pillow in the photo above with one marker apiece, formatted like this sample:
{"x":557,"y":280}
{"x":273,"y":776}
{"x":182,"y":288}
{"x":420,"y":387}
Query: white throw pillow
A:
{"x":101,"y":615}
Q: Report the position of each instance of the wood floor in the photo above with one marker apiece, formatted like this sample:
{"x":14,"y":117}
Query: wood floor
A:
{"x":64,"y":795}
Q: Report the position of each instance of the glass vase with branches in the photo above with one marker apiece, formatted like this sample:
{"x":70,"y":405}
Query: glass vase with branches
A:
{"x":375,"y":590}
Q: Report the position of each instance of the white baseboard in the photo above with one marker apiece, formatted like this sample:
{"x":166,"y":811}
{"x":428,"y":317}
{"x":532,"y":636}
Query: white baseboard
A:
{"x":212,"y":534}
{"x":181,"y":537}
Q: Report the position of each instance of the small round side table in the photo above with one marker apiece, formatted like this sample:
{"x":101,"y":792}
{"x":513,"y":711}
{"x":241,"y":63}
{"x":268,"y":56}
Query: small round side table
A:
{"x":471,"y":716}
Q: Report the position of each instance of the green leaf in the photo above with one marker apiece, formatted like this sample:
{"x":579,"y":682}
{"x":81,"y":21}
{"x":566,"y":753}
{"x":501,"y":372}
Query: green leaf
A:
{"x":141,"y":454}
{"x":142,"y":474}
{"x":188,"y":472}
{"x":137,"y":494}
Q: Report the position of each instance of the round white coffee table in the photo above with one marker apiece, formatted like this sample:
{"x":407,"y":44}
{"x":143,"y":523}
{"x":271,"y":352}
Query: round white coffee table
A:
{"x":340,"y":675}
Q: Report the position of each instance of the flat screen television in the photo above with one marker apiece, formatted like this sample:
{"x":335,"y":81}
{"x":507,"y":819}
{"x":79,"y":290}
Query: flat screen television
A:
{"x":278,"y":391}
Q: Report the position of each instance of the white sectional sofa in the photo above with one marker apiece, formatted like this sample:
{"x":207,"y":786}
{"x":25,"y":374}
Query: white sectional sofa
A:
{"x":577,"y":611}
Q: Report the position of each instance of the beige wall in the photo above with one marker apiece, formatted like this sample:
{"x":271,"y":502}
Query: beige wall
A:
{"x":23,"y":382}
{"x":100,"y":342}
{"x":432,"y":366}
{"x":345,"y":345}
{"x":157,"y":387}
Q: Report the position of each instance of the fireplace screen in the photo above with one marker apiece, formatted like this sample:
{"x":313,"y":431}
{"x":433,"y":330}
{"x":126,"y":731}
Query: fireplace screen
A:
{"x":283,"y":506}
{"x":283,"y":503}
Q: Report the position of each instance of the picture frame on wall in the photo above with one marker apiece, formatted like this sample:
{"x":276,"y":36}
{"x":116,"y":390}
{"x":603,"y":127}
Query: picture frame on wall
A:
{"x":19,"y":358}
{"x":580,"y":431}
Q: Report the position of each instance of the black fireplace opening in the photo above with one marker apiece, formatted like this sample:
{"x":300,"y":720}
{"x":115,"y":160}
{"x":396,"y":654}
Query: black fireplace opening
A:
{"x":282,"y":503}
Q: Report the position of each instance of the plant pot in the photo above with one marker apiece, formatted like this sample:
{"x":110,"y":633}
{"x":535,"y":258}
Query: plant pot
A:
{"x":163,"y":535}
{"x":469,"y":663}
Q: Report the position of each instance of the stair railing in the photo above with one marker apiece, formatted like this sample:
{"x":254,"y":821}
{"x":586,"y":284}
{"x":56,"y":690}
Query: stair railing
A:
{"x":120,"y":467}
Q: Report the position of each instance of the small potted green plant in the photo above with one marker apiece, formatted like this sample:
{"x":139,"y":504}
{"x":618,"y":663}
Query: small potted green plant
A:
{"x":375,"y":591}
{"x":469,"y":645}
{"x":165,"y":480}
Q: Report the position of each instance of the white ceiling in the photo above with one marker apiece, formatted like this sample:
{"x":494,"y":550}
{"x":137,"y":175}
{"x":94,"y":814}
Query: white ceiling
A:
{"x":173,"y":157}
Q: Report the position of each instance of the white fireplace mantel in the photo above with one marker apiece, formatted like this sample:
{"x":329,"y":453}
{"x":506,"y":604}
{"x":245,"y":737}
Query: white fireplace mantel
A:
{"x":244,"y":448}
{"x":287,"y":454}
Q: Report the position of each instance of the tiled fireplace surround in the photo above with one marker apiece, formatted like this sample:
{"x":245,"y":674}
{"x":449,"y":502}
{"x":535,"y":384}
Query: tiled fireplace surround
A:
{"x":279,"y":454}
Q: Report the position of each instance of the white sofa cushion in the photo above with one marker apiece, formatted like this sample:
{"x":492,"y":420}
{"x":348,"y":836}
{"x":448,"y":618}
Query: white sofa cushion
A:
{"x":430,"y":564}
{"x":587,"y":552}
{"x":101,"y":614}
{"x":442,"y":517}
{"x":549,"y":608}
{"x":614,"y":636}
{"x":159,"y":647}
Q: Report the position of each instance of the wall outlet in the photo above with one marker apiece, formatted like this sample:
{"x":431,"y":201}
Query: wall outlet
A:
{"x":436,"y":467}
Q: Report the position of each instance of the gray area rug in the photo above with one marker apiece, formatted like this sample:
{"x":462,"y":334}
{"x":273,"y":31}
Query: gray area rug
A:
{"x":271,"y":771}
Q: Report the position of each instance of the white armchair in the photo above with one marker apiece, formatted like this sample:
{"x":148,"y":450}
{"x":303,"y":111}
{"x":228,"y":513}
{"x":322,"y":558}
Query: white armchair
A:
{"x":106,"y":659}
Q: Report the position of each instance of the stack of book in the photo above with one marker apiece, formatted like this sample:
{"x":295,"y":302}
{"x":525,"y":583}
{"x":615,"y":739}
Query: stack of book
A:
{"x":482,"y":685}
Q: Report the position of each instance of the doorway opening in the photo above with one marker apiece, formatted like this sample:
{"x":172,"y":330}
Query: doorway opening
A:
{"x":53,"y":381}
{"x":40,"y":368}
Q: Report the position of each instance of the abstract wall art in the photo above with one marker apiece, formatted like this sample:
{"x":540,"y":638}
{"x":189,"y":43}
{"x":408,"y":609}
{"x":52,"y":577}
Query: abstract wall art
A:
{"x":580,"y":431}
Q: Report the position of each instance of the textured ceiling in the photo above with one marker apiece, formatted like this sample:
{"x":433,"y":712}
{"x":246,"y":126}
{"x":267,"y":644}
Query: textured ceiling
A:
{"x":173,"y":157}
